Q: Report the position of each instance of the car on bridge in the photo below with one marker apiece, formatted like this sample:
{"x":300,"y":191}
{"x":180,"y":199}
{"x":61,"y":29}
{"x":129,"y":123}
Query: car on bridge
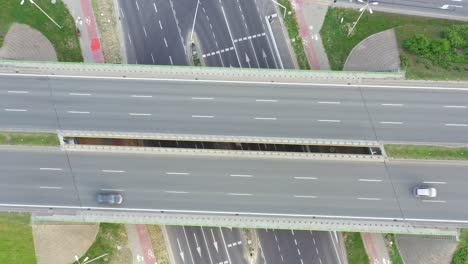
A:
{"x":425,"y":192}
{"x":109,"y":198}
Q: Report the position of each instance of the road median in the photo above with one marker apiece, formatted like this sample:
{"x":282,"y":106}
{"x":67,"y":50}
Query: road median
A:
{"x":29,"y":139}
{"x":426,"y":152}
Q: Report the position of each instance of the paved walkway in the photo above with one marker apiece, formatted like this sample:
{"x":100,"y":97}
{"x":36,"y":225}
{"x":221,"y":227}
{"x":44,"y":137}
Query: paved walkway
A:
{"x":82,"y":12}
{"x":139,"y":242}
{"x":23,"y":42}
{"x":426,"y":249}
{"x":376,"y":248}
{"x":378,"y":52}
{"x":310,"y":15}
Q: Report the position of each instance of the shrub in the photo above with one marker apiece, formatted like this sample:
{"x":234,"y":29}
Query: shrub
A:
{"x":461,"y":255}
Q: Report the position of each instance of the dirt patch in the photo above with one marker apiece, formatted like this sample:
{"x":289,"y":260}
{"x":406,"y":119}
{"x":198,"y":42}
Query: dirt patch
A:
{"x":106,"y":20}
{"x":59,"y":242}
{"x":159,"y":244}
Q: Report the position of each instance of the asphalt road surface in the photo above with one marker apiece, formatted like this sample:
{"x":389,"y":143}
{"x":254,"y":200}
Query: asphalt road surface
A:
{"x":387,"y":114}
{"x":196,"y":183}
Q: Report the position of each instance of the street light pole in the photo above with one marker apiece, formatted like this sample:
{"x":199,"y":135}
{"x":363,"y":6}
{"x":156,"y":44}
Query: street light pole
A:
{"x":51,"y":19}
{"x":362,"y":10}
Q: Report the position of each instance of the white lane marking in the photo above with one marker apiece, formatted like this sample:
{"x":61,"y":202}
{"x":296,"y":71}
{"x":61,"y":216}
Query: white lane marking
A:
{"x":18,"y":92}
{"x":50,"y":169}
{"x":170,"y":59}
{"x":202,"y":98}
{"x":241,"y":175}
{"x":176,"y":192}
{"x":391,"y":104}
{"x":155,"y":8}
{"x":138,"y":7}
{"x":456,"y":125}
{"x":298,"y":252}
{"x":15,"y":110}
{"x":230,"y":35}
{"x":152,"y":58}
{"x":316,"y":250}
{"x":391,"y":122}
{"x":329,"y":102}
{"x":454,"y":106}
{"x":434,"y":201}
{"x":112,"y":190}
{"x":369,"y":180}
{"x":80,"y":94}
{"x":165,"y":42}
{"x":160,"y":25}
{"x":266,"y":100}
{"x":139,"y":114}
{"x":305,"y":196}
{"x":240,"y":194}
{"x":295,"y":242}
{"x":338,"y":256}
{"x":77,"y":112}
{"x":305,"y":178}
{"x":113,"y":171}
{"x":202,"y":116}
{"x":329,"y":120}
{"x":50,"y":187}
{"x":144,"y":30}
{"x":129,"y":39}
{"x":369,"y":198}
{"x":265,"y":118}
{"x":177,"y":173}
{"x":121,"y":11}
{"x":142,"y":96}
{"x":434,"y":182}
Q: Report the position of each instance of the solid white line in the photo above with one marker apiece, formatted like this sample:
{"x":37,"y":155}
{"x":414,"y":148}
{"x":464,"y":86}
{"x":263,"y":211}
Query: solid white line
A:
{"x":305,"y":196}
{"x":152,"y":57}
{"x":369,"y":199}
{"x":177,"y":173}
{"x":18,"y":92}
{"x":305,"y":178}
{"x":170,"y":59}
{"x":391,"y":104}
{"x":265,"y":118}
{"x":112,"y":190}
{"x":266,"y":100}
{"x":240,"y":194}
{"x":139,"y":114}
{"x":15,"y":110}
{"x":50,"y":187}
{"x":113,"y":171}
{"x":202,"y":116}
{"x":327,"y":102}
{"x":51,"y":169}
{"x":434,"y":182}
{"x":391,"y":123}
{"x":160,"y":25}
{"x":202,"y":98}
{"x":369,"y":180}
{"x":175,"y":192}
{"x":138,"y":7}
{"x":434,"y":201}
{"x":155,"y":9}
{"x":241,"y":175}
{"x":142,"y":96}
{"x":329,"y":120}
{"x":144,"y":30}
{"x":77,"y":112}
{"x":165,"y":41}
{"x":454,"y":106}
{"x":230,"y":35}
{"x":456,"y":125}
{"x":80,"y":94}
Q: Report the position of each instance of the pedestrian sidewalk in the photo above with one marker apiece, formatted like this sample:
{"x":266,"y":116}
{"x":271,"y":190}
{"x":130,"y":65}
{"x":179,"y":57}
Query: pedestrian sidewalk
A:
{"x":82,"y":12}
{"x":310,"y":16}
{"x":376,"y":248}
{"x":139,"y":242}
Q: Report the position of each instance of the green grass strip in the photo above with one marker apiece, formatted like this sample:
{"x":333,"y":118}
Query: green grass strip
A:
{"x":16,"y":239}
{"x":29,"y":139}
{"x":460,"y":256}
{"x":426,"y":152}
{"x":293,"y":32}
{"x":65,"y":40}
{"x":355,"y":248}
{"x":393,"y":249}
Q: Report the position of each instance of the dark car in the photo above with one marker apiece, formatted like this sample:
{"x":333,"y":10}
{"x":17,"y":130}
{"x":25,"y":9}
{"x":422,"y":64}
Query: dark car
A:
{"x":109,"y":198}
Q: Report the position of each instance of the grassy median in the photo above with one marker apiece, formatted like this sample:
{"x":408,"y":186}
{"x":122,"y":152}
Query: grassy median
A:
{"x":16,"y":239}
{"x":159,"y":244}
{"x":29,"y":139}
{"x":393,"y":251}
{"x":355,"y":248}
{"x":426,"y":152}
{"x":65,"y":40}
{"x":107,"y":23}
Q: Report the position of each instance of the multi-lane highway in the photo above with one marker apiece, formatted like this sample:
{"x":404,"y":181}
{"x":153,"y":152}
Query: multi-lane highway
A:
{"x":241,"y":109}
{"x":195,"y":183}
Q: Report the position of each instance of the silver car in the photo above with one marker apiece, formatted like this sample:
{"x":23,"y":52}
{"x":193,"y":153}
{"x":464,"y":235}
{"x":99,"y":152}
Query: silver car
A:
{"x":425,"y":192}
{"x":109,"y":198}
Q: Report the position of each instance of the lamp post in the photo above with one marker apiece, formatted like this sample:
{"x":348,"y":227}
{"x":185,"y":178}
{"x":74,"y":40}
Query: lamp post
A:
{"x":362,"y":10}
{"x":51,"y":19}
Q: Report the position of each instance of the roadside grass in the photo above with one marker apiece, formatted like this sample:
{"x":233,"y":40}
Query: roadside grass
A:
{"x":65,"y":40}
{"x":159,"y":244}
{"x":460,"y":256}
{"x":355,"y":248}
{"x":104,"y":12}
{"x":29,"y":139}
{"x":111,"y":239}
{"x":393,"y":251}
{"x":16,"y":239}
{"x":338,"y":46}
{"x":426,"y":152}
{"x":293,"y":32}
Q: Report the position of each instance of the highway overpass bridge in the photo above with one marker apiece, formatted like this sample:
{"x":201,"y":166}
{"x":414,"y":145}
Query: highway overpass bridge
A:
{"x":226,"y":102}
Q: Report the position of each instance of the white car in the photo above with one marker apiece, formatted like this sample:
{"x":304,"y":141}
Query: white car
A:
{"x":425,"y":192}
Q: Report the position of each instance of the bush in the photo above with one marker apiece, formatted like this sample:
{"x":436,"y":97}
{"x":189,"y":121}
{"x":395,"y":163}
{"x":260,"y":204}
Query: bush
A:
{"x":419,"y":45}
{"x":457,"y":35}
{"x":461,"y":255}
{"x":404,"y":61}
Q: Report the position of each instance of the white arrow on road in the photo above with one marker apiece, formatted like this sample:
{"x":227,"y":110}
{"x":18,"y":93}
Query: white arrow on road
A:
{"x":181,"y":252}
{"x":247,"y":59}
{"x":215,"y":243}
{"x":196,"y":242}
